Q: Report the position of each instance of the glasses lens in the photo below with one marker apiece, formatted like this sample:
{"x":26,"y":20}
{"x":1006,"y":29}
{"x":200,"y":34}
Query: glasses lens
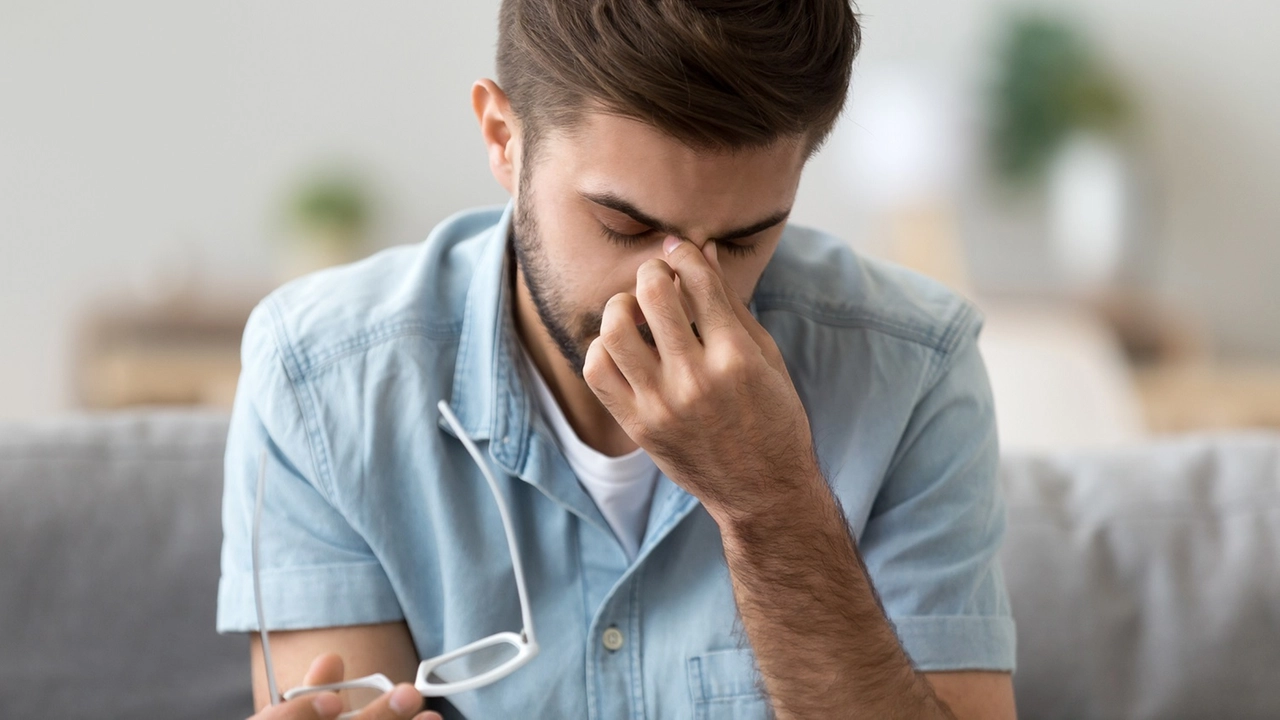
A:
{"x":474,"y":663}
{"x":356,"y":698}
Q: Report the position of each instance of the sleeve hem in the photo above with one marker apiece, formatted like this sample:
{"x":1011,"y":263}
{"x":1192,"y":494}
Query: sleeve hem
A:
{"x":308,"y":597}
{"x":961,"y":642}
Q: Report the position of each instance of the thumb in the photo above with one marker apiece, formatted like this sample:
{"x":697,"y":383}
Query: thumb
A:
{"x":711,"y":253}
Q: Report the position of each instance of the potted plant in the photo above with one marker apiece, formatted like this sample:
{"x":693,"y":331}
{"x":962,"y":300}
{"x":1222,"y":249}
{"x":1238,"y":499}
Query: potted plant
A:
{"x":1061,"y":129}
{"x":328,"y":218}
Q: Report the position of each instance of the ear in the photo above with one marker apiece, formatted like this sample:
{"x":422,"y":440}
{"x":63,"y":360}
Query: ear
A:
{"x":500,"y":130}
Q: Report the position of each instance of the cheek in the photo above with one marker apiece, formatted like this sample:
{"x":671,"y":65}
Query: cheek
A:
{"x":592,"y":268}
{"x":586,"y":269}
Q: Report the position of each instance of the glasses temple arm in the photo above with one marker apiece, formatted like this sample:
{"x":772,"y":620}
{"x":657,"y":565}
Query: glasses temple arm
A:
{"x":525,"y":614}
{"x":257,"y":591}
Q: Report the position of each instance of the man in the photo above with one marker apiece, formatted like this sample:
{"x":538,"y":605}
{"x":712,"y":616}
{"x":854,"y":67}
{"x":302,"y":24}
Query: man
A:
{"x":750,"y":473}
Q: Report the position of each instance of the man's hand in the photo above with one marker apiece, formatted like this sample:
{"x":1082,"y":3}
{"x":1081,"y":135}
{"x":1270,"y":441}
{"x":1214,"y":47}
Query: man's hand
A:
{"x":399,"y":704}
{"x":715,"y":408}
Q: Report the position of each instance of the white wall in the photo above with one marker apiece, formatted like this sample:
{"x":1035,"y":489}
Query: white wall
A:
{"x":142,"y":139}
{"x":135,"y":134}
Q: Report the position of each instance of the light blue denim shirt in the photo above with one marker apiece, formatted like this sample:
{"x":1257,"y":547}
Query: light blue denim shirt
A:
{"x":374,"y":512}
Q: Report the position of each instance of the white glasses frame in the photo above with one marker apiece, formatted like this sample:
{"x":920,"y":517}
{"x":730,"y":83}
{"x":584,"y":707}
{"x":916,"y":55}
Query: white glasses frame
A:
{"x":525,"y":642}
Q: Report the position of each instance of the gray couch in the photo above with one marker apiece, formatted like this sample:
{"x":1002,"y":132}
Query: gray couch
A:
{"x":1145,"y":582}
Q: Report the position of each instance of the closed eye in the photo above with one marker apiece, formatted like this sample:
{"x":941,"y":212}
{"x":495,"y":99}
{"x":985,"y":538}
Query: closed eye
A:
{"x":631,"y":240}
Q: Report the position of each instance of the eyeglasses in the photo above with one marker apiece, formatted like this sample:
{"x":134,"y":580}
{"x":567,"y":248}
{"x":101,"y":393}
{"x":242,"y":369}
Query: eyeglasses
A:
{"x":469,"y":667}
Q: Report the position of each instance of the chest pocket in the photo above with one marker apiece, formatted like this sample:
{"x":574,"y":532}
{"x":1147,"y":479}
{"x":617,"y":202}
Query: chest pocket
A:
{"x":725,"y":686}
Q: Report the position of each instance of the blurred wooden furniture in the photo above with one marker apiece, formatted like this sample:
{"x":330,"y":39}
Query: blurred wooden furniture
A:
{"x":1183,"y":387}
{"x":1200,"y":397}
{"x":182,"y":352}
{"x":1078,"y":375}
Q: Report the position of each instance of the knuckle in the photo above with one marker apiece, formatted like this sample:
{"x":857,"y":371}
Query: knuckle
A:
{"x":650,"y":289}
{"x":612,"y":332}
{"x":730,"y":366}
{"x":687,"y":401}
{"x":594,"y":368}
{"x":655,"y":267}
{"x":591,"y":371}
{"x":661,"y":416}
{"x":617,"y":312}
{"x":616,"y":303}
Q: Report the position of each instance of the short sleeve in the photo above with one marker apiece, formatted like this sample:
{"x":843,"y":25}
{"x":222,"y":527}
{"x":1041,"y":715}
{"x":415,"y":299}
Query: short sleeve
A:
{"x":316,"y":571}
{"x":931,"y":541}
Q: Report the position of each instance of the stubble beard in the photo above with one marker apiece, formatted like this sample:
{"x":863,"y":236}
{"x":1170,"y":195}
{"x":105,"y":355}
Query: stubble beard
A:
{"x":572,"y":332}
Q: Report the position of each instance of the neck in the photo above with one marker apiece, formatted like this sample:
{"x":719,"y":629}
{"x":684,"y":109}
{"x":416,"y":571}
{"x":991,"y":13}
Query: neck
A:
{"x":592,"y":422}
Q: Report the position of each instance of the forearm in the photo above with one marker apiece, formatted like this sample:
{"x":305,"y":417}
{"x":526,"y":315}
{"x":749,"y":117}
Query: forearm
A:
{"x":821,"y":638}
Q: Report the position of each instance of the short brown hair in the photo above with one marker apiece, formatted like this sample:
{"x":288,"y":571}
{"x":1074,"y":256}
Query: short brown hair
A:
{"x":713,"y":74}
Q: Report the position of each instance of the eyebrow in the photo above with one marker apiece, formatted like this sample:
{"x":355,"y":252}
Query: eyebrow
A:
{"x":614,"y":202}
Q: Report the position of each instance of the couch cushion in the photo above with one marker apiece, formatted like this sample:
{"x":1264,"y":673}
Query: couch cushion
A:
{"x":1146,"y":581}
{"x":110,"y":534}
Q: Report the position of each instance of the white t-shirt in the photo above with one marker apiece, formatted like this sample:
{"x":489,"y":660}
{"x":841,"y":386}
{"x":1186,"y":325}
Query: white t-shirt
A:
{"x":622,"y":487}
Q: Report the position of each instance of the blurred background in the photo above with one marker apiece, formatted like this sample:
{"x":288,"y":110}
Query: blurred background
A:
{"x":1100,"y":177}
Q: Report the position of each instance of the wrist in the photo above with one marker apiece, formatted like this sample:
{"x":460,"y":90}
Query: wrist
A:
{"x":790,"y":498}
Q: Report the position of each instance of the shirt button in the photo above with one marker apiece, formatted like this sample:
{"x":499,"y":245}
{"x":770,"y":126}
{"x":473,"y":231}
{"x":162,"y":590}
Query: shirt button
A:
{"x":612,"y":639}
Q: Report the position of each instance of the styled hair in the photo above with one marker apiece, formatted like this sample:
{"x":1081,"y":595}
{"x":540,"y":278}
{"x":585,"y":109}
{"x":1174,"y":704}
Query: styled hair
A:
{"x":714,"y":74}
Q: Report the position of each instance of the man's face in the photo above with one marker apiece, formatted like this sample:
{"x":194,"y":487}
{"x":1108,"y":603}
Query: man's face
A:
{"x":599,"y":202}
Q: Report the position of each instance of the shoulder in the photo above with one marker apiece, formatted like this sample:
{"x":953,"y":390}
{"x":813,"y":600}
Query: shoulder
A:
{"x":411,"y":290}
{"x":817,"y":279}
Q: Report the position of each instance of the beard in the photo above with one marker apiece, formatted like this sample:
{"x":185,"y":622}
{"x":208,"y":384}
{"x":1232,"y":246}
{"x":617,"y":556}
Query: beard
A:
{"x":571,"y":331}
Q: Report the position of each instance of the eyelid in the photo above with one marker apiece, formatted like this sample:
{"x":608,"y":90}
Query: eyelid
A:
{"x":731,"y":247}
{"x":609,"y":228}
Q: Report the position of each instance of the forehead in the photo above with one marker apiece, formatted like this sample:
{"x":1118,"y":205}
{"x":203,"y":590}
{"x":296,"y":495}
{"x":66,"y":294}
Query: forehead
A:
{"x":606,"y":153}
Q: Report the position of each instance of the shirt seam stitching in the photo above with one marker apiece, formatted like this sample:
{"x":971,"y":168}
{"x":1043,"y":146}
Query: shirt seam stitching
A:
{"x":851,"y":320}
{"x":370,"y":338}
{"x":293,"y":372}
{"x":941,"y":359}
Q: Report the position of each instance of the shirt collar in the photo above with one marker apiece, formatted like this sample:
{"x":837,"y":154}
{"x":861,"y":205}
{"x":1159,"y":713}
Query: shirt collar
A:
{"x":488,"y":396}
{"x":493,"y":402}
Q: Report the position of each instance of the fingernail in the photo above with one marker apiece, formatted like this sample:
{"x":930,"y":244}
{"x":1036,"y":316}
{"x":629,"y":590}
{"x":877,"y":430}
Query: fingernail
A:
{"x":671,"y":244}
{"x":327,"y":705}
{"x":405,"y":699}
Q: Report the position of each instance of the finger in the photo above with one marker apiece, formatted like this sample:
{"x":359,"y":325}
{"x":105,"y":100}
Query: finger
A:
{"x":325,"y":669}
{"x":605,"y":379}
{"x":403,"y":702}
{"x":702,"y":287}
{"x":660,"y":302}
{"x":761,"y":336}
{"x":320,"y":706}
{"x":622,"y":340}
